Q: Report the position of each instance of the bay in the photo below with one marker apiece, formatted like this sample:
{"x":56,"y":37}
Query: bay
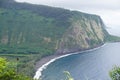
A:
{"x":94,"y":65}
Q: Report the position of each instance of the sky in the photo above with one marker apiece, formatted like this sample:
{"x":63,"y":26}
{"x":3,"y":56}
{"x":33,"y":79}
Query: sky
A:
{"x":109,"y":10}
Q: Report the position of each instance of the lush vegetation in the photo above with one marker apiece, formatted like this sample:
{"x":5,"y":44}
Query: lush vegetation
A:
{"x":26,"y":62}
{"x":115,"y":73}
{"x":27,"y":32}
{"x":30,"y":35}
{"x":8,"y":71}
{"x":60,"y":15}
{"x":30,"y":32}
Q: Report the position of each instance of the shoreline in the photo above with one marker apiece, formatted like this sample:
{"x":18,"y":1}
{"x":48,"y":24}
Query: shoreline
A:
{"x":45,"y":61}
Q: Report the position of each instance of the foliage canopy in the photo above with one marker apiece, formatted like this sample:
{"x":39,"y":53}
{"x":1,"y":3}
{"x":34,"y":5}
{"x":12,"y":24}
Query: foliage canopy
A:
{"x":8,"y":72}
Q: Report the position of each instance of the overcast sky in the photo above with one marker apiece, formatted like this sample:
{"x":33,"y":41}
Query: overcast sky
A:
{"x":109,"y":10}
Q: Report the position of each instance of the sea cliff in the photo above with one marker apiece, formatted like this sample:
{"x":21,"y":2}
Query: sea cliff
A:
{"x":31,"y":32}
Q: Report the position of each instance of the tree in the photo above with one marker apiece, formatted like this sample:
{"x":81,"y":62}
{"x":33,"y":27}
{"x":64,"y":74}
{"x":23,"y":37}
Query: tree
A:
{"x":115,"y":73}
{"x":8,"y":72}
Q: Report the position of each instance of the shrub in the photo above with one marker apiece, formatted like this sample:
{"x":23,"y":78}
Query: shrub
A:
{"x":8,"y":72}
{"x":115,"y":73}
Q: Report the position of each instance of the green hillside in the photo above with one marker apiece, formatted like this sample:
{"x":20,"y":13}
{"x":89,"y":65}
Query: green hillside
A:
{"x":30,"y":32}
{"x":30,"y":35}
{"x":26,"y":32}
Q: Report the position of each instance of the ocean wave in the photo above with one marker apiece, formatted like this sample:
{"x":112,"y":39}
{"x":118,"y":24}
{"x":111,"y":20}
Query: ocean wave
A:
{"x":38,"y":73}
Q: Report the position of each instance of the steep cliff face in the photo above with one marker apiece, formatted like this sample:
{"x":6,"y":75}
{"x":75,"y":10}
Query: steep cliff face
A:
{"x":86,"y":31}
{"x":27,"y":28}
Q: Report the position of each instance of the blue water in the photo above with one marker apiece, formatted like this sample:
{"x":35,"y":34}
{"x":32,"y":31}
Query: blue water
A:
{"x":94,"y":65}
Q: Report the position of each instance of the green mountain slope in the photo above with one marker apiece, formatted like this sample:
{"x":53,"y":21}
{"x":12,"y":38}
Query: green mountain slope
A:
{"x":27,"y":31}
{"x":24,"y":30}
{"x":27,"y":28}
{"x":32,"y":31}
{"x":86,"y":31}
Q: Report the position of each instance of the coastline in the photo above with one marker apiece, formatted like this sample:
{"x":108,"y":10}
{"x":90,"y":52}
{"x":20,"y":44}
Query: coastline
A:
{"x":44,"y":62}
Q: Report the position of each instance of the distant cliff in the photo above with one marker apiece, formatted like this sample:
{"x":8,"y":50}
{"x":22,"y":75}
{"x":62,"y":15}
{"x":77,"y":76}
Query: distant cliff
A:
{"x":86,"y":31}
{"x":28,"y":28}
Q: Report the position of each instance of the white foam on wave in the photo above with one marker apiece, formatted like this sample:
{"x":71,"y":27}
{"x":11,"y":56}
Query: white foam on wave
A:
{"x":38,"y":73}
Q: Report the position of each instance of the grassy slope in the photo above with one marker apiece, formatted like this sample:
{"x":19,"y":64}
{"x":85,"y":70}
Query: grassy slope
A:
{"x":27,"y":35}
